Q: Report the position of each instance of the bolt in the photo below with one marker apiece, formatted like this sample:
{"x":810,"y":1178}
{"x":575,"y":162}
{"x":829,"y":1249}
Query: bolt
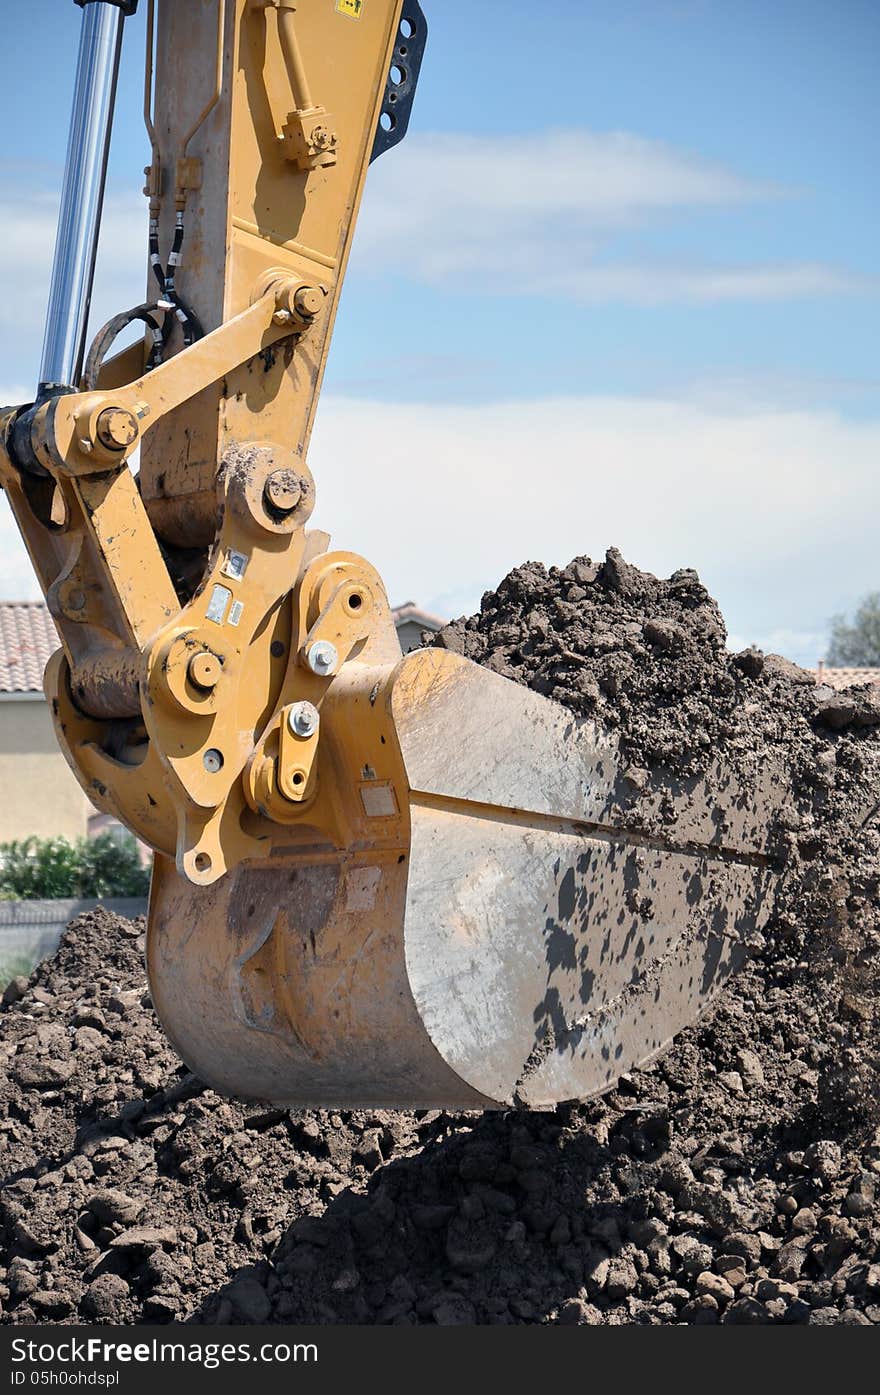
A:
{"x":213,"y":761}
{"x":86,"y":446}
{"x":322,"y":658}
{"x":117,"y":429}
{"x":303,"y":719}
{"x":205,"y":670}
{"x":282,"y":317}
{"x":283,"y":491}
{"x":308,"y":301}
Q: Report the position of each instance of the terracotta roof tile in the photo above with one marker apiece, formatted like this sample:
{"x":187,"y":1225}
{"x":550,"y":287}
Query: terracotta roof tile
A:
{"x":28,"y":638}
{"x":845,"y":677}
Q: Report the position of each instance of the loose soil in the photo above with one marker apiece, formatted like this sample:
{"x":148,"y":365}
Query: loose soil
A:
{"x":735,"y":1181}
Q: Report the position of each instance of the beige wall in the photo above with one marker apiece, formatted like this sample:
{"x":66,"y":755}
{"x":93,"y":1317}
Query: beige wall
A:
{"x":38,"y":793}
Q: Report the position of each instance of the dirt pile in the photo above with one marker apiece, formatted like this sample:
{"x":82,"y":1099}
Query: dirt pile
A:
{"x":735,"y":1181}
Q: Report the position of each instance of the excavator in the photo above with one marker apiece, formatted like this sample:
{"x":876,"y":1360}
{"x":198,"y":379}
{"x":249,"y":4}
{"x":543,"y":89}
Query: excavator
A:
{"x":378,"y":881}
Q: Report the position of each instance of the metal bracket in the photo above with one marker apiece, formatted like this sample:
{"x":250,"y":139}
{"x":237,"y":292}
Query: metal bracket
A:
{"x":128,"y":7}
{"x":403,"y":77}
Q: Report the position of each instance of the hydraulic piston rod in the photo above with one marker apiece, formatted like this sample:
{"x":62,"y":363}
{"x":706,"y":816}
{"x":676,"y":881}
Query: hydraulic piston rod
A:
{"x":79,"y":220}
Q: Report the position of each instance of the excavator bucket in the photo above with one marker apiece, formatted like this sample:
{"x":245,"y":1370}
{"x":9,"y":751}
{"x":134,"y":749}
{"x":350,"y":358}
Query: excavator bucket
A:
{"x":526,"y":928}
{"x":378,"y":881}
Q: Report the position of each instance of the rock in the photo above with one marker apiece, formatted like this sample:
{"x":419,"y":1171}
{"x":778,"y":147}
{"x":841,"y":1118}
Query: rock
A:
{"x":105,"y":1298}
{"x":663,"y":635}
{"x":775,"y":666}
{"x":622,"y":1278}
{"x":746,"y":1312}
{"x":693,"y":1255}
{"x":45,"y":1074}
{"x":767,"y":1289}
{"x":369,"y":1151}
{"x":161,"y":1307}
{"x":862,"y":1196}
{"x":659,"y":1257}
{"x":857,"y":707}
{"x":732,"y":1268}
{"x":701,"y":1311}
{"x":731,"y":1080}
{"x":748,"y":1247}
{"x":804,"y":1222}
{"x":51,"y":1302}
{"x":23,"y":1278}
{"x":578,"y":1313}
{"x":790,"y":1261}
{"x":112,"y":1207}
{"x":750,"y":662}
{"x":15,"y":990}
{"x":715,"y":1285}
{"x":797,"y":1312}
{"x":144,"y":1238}
{"x":824,"y":1160}
{"x":748,"y":1063}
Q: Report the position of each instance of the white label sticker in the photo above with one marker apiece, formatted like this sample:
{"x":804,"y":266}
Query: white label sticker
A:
{"x":235,"y":565}
{"x":220,"y":598}
{"x":236,"y":612}
{"x":379,"y":801}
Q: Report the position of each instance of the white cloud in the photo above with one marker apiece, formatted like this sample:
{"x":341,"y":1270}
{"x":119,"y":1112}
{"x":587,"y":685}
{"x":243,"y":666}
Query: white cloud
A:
{"x":775,"y":508}
{"x":27,"y":241}
{"x":538,"y":214}
{"x":664,"y":284}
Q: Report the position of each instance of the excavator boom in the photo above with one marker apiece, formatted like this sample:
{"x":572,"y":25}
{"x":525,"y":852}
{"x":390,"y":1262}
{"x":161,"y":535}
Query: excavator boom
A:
{"x":377,"y":880}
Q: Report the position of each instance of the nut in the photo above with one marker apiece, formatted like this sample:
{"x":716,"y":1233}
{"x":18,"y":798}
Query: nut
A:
{"x":117,"y":428}
{"x":205,"y":670}
{"x":322,"y":658}
{"x":283,"y":491}
{"x":303,"y":719}
{"x":308,"y":301}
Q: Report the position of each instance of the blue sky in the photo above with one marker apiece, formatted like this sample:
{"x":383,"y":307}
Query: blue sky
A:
{"x":631,"y":249}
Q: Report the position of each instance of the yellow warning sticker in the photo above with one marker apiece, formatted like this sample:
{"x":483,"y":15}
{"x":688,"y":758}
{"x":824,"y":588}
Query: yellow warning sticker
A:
{"x":353,"y":8}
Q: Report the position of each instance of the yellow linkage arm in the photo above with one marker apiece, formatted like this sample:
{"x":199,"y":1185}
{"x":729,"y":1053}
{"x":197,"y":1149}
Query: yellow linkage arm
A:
{"x":174,"y":599}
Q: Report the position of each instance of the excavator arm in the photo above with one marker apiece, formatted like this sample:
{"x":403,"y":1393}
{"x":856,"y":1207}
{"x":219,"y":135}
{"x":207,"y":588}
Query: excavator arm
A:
{"x":377,"y":881}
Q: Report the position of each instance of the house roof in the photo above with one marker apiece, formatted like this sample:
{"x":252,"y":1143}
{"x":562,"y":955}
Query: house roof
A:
{"x":845,"y":677}
{"x":410,"y":613}
{"x":28,"y":639}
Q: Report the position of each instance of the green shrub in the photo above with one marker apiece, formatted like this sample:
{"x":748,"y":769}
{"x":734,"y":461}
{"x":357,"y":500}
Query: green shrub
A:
{"x":53,"y":868}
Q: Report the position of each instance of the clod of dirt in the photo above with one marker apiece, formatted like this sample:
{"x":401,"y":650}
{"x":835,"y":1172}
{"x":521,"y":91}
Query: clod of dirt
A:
{"x":735,"y":1181}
